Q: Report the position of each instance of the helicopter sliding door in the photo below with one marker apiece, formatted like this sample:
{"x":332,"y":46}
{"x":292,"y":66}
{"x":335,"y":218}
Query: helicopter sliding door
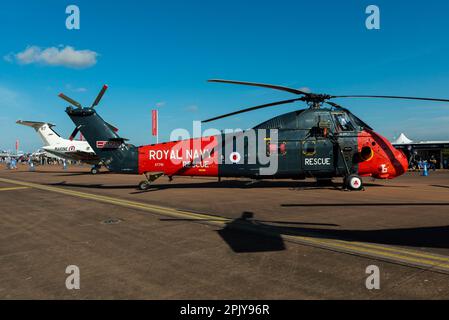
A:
{"x":317,"y":152}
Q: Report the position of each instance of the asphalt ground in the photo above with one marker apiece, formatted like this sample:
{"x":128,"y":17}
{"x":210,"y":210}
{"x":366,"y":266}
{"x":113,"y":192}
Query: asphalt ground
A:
{"x":197,"y":238}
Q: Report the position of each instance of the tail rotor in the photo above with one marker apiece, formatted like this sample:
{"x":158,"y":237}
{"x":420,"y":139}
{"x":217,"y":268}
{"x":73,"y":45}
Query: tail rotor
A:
{"x":78,"y":105}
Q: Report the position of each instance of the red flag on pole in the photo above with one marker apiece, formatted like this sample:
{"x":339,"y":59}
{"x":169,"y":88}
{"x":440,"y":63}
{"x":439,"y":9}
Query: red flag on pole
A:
{"x":154,"y":122}
{"x":17,"y":146}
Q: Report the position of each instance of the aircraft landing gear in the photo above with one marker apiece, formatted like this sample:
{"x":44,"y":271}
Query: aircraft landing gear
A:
{"x":144,"y":185}
{"x":95,"y":169}
{"x":150,"y":177}
{"x":353,"y":182}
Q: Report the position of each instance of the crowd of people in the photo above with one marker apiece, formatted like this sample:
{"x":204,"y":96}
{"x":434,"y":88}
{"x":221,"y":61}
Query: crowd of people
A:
{"x":419,"y":164}
{"x":12,"y":162}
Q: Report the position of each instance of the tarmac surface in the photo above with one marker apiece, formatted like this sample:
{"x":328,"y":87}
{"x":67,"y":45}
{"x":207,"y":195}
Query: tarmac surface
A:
{"x":197,"y":238}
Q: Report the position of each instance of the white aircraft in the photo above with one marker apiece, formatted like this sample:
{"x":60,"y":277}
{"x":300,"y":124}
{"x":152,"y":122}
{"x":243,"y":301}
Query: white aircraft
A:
{"x":69,"y":149}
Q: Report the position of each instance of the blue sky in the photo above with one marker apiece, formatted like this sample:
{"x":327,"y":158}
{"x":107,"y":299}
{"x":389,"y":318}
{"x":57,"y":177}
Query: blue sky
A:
{"x":162,"y":52}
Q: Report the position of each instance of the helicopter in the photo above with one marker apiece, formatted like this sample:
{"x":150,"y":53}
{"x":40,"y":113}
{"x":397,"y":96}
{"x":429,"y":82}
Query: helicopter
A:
{"x":323,"y":141}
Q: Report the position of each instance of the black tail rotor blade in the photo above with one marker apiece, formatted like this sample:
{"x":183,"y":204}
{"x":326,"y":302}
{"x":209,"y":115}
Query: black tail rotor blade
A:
{"x":74,"y":133}
{"x":263,"y":85}
{"x":392,"y":97}
{"x":254,"y":108}
{"x":70,"y":100}
{"x":100,"y":95}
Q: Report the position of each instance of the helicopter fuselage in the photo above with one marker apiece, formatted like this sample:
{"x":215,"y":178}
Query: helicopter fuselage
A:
{"x":309,"y":143}
{"x":321,"y":143}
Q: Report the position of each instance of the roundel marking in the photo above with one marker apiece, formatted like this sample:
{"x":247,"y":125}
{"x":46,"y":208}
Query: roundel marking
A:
{"x":355,"y":182}
{"x":72,"y":148}
{"x":235,"y":157}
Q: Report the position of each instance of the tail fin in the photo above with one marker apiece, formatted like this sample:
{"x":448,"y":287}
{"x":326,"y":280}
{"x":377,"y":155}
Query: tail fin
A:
{"x":45,"y":131}
{"x":112,"y":149}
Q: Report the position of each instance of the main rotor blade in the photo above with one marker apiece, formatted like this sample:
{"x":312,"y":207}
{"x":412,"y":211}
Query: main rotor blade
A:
{"x":392,"y":97}
{"x":70,"y":100}
{"x":253,"y":108}
{"x":100,"y":95}
{"x":263,"y":85}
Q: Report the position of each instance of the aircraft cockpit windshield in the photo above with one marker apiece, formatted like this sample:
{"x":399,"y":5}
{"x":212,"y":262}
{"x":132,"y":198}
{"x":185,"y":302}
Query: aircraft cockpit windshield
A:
{"x":347,"y":121}
{"x":361,"y":124}
{"x":343,"y":122}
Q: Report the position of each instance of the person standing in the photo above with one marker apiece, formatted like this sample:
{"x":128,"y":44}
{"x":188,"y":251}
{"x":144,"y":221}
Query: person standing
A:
{"x":433,"y":162}
{"x":13,"y":163}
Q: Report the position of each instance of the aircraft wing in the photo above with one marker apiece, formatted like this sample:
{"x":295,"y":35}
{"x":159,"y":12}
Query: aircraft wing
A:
{"x":86,"y":157}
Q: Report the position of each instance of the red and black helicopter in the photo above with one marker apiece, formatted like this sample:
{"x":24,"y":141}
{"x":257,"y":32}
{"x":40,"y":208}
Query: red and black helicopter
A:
{"x":323,"y":141}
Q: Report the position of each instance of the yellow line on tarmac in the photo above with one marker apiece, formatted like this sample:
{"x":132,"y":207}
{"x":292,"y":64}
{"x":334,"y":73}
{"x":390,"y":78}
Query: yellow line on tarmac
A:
{"x":405,"y":251}
{"x":12,"y":188}
{"x":397,"y":254}
{"x":156,"y":209}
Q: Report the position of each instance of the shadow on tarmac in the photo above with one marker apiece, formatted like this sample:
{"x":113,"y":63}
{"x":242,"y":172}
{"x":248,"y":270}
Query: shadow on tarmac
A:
{"x":228,"y":184}
{"x":91,"y":186}
{"x":246,"y":234}
{"x":439,"y":186}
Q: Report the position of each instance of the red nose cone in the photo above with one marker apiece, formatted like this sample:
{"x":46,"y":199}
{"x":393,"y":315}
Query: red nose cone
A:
{"x":403,"y":161}
{"x":385,"y":162}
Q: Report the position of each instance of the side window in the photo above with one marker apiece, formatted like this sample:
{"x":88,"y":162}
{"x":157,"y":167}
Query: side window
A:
{"x":276,"y":148}
{"x":309,"y":148}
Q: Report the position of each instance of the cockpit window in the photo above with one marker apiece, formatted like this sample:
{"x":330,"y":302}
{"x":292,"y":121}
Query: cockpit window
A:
{"x":343,"y":122}
{"x":360,"y":123}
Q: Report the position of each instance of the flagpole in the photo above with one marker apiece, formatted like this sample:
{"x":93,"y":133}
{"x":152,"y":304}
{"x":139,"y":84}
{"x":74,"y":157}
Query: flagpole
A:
{"x":157,"y":126}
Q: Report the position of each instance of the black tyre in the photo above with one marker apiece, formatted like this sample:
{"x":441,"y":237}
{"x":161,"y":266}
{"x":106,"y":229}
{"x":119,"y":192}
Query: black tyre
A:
{"x":354,"y":182}
{"x":144,"y":185}
{"x":94,"y":170}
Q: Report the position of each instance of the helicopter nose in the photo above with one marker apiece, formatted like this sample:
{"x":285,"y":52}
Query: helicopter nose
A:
{"x":402,"y":166}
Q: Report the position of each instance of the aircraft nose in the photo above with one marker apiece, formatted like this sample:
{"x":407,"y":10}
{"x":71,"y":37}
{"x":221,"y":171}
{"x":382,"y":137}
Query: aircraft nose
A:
{"x":402,"y":167}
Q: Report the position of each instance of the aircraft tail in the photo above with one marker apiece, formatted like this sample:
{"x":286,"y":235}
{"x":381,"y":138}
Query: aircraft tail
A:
{"x":44,"y":130}
{"x":113,"y":150}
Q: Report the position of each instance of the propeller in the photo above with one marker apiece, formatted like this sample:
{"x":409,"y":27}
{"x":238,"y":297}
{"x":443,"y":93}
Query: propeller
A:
{"x":77,"y":129}
{"x":314,"y":100}
{"x":74,"y":133}
{"x":78,"y":105}
{"x":70,"y":100}
{"x":100,"y":95}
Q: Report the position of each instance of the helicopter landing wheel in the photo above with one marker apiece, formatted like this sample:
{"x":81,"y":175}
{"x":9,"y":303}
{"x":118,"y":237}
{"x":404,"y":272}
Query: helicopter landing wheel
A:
{"x":94,"y":170}
{"x":354,"y":182}
{"x":144,"y":185}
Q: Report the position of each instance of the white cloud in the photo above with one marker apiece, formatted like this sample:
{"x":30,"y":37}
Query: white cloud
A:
{"x":53,"y":56}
